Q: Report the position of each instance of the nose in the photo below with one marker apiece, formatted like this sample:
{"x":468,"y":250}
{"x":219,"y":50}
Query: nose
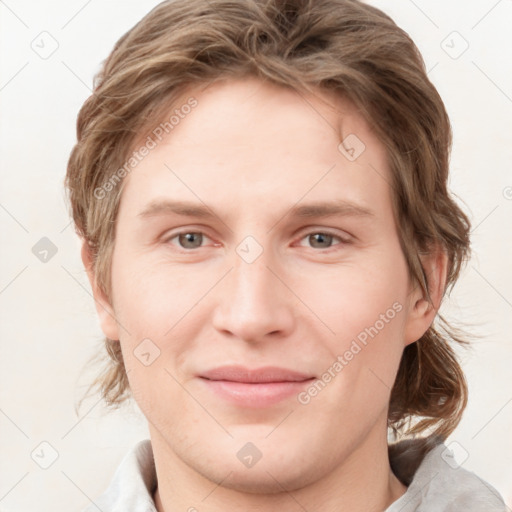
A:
{"x":253,"y":304}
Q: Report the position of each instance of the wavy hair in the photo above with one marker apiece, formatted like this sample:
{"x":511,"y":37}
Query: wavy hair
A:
{"x":344,"y":46}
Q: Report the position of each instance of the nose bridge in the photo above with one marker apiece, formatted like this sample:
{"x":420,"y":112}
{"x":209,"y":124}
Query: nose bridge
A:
{"x":253,"y":303}
{"x":251,"y":282}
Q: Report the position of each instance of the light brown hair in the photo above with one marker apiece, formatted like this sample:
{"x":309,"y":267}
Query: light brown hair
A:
{"x":343,"y":46}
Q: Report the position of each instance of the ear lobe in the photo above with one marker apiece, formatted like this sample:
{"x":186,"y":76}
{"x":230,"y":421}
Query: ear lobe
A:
{"x":104,"y":309}
{"x":422,"y":312}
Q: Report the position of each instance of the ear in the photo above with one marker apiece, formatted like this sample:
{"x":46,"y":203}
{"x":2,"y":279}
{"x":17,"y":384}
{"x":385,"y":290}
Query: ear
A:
{"x":421,"y":312}
{"x":104,"y":309}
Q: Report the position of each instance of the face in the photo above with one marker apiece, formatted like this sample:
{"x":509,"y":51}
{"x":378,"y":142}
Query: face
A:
{"x":260,"y":294}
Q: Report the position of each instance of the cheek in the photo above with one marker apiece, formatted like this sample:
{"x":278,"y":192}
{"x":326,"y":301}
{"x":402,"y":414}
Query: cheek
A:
{"x":156,"y":304}
{"x":366,"y":308}
{"x":152,"y":296}
{"x":356,"y":383}
{"x":353,"y":298}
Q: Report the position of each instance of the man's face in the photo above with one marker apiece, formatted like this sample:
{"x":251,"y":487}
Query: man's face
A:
{"x":264,"y":277}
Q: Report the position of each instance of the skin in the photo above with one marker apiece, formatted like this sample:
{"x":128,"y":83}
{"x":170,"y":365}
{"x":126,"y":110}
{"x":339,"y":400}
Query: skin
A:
{"x":251,"y":151}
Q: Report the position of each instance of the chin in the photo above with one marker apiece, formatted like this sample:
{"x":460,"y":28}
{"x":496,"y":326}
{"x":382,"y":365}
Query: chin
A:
{"x":263,"y":481}
{"x":276,"y":472}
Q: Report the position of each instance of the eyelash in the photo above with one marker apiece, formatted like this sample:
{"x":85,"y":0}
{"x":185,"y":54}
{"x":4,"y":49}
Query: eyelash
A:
{"x":342,"y":241}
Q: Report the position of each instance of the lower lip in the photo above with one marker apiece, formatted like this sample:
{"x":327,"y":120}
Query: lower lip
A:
{"x":263,"y":394}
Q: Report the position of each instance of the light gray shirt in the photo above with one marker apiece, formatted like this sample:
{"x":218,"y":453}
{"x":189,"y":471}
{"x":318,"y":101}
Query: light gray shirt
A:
{"x":437,"y":485}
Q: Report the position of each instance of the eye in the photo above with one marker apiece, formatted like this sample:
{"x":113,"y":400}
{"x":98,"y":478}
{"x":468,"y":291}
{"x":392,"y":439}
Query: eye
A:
{"x":188,"y":239}
{"x":323,"y":240}
{"x":317,"y":240}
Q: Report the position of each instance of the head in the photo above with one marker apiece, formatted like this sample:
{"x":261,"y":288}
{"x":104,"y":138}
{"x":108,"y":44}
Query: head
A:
{"x":252,"y":110}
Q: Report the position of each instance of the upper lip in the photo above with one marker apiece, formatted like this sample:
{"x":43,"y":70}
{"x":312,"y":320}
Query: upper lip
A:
{"x":263,"y":374}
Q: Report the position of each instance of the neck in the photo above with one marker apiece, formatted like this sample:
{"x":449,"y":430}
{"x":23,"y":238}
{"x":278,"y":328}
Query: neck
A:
{"x":362,"y":482}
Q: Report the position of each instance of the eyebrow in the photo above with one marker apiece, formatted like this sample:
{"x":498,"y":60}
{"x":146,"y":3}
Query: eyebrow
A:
{"x":318,"y":209}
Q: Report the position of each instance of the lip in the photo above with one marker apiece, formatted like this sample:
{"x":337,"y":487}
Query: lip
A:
{"x":235,"y":373}
{"x":254,"y":388}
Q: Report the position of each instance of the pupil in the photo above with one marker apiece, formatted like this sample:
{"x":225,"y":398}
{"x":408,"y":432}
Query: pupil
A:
{"x":320,"y":238}
{"x":188,"y":240}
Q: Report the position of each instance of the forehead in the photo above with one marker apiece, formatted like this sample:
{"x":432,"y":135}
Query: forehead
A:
{"x":251,"y":145}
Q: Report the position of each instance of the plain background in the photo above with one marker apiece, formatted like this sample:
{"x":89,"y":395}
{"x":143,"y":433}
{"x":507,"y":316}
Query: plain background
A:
{"x":48,"y":323}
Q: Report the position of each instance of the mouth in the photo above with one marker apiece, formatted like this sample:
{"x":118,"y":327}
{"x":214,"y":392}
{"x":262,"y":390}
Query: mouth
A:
{"x":255,"y":388}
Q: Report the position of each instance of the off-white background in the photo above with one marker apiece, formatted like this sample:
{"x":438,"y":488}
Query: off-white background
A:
{"x":48,"y":323}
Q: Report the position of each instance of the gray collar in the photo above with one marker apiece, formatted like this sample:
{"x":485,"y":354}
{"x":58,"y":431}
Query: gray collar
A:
{"x":435,"y":482}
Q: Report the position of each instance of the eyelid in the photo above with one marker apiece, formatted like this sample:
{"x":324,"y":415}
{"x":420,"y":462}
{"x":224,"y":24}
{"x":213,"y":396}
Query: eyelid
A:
{"x":315,"y":231}
{"x":174,"y":234}
{"x":303,"y":234}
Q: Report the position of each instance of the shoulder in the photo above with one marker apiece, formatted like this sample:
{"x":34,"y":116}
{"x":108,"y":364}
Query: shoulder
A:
{"x":440,"y":484}
{"x":132,"y":485}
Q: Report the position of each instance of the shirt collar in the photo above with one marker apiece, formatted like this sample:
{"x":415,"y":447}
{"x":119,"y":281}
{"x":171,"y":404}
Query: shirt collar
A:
{"x":433,"y":478}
